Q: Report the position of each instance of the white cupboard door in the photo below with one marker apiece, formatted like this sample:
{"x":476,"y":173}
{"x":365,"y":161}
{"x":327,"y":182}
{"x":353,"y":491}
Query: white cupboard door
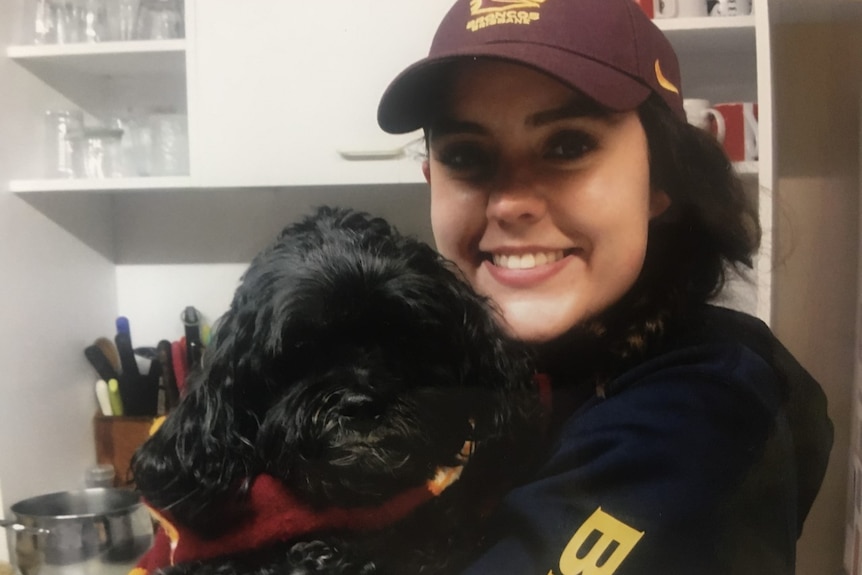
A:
{"x":281,"y":87}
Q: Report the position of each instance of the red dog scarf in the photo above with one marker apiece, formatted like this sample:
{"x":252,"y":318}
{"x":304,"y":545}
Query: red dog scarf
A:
{"x":274,"y":514}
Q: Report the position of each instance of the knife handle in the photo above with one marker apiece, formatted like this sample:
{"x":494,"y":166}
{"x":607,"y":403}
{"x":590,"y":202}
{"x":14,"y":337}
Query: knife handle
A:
{"x":178,"y":358}
{"x":127,"y":355}
{"x":172,"y":392}
{"x":100,"y":363}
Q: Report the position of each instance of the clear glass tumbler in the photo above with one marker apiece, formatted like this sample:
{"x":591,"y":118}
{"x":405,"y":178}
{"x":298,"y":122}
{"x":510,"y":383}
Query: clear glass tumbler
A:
{"x":100,"y":153}
{"x":170,"y":145}
{"x":67,"y":17}
{"x":62,"y":128}
{"x":160,"y":20}
{"x":122,"y":18}
{"x":94,"y":20}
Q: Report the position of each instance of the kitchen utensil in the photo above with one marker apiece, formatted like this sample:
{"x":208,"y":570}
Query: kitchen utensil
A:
{"x":206,"y":334}
{"x":114,"y":397}
{"x":99,"y":362}
{"x":104,"y":398}
{"x":89,"y":532}
{"x":122,"y":324}
{"x":127,"y":355}
{"x":191,"y":319}
{"x":178,"y":359}
{"x":169,"y":382}
{"x":110,"y":352}
{"x":154,"y":403}
{"x":134,"y":398}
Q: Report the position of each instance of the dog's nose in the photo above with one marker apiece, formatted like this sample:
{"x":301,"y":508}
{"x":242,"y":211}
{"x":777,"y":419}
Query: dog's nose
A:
{"x":359,"y":406}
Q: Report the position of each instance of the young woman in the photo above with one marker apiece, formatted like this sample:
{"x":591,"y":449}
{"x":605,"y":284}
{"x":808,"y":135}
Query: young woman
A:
{"x":567,"y":186}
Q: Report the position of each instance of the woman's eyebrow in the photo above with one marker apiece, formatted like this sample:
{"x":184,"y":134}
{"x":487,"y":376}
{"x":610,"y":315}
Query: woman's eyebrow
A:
{"x":445,"y":126}
{"x":578,"y":108}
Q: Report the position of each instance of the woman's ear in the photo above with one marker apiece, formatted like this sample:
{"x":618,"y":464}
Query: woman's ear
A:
{"x":426,"y":170}
{"x":659,"y":202}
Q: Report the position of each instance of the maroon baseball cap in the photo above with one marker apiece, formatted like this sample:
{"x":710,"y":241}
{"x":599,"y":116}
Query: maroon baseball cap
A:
{"x":607,"y":49}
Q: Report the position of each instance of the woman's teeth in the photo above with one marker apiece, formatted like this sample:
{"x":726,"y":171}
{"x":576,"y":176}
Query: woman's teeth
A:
{"x":526,"y":261}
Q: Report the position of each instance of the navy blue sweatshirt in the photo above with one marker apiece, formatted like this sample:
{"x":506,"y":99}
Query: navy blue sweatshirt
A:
{"x":703,"y":459}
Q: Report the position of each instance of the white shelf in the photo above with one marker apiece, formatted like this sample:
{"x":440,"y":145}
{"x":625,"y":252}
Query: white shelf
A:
{"x":716,"y":36}
{"x":708,"y":23}
{"x":100,"y":185}
{"x":112,"y":59}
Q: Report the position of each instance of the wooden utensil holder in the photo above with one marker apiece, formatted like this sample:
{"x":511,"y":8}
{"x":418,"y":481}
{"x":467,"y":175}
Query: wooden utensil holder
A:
{"x":117,"y":438}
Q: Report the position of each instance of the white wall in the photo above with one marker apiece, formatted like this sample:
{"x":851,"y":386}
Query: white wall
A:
{"x":57,"y":294}
{"x":152,"y":296}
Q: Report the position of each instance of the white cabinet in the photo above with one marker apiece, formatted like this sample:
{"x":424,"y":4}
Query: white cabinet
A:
{"x":280,"y":88}
{"x":104,"y":80}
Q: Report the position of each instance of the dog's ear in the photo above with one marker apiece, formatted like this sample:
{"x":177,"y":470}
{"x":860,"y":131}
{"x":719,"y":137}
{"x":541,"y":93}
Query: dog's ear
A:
{"x":201,"y":454}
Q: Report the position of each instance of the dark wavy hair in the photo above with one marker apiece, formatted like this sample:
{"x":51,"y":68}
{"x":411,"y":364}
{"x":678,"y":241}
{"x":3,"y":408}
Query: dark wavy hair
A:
{"x":710,"y":230}
{"x":711,"y":225}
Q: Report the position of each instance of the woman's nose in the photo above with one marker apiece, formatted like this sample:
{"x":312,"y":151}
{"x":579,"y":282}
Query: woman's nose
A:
{"x":515,"y":200}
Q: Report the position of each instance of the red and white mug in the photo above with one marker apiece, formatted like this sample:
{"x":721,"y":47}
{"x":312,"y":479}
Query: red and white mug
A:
{"x":680,"y":8}
{"x":740,"y":130}
{"x":677,"y":8}
{"x":648,"y":6}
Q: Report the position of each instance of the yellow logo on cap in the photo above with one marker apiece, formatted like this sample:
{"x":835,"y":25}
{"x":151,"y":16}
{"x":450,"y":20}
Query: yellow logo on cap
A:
{"x":494,"y":12}
{"x":663,"y":81}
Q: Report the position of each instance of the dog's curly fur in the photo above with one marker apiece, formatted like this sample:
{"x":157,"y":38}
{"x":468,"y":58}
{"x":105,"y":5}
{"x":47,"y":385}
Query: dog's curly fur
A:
{"x":352,"y":363}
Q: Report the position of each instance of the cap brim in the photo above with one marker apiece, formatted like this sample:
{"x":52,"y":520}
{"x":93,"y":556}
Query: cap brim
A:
{"x":409,"y":100}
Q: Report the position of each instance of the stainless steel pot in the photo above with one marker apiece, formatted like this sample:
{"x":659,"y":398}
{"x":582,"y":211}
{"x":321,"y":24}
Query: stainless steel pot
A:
{"x":98,"y":531}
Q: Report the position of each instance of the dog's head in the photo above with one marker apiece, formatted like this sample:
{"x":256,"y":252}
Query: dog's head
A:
{"x":353,"y":363}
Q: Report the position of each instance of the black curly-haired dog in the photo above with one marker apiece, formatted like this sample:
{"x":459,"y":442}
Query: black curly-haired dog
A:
{"x":358,"y":411}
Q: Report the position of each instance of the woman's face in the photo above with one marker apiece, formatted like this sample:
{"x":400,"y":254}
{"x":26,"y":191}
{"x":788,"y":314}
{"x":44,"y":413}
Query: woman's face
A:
{"x":540,"y":198}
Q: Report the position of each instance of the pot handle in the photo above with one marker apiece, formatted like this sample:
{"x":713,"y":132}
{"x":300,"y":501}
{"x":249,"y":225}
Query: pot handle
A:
{"x":14,"y":526}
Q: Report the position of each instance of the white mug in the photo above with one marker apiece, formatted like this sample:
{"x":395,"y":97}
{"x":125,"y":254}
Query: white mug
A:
{"x":680,"y":8}
{"x":731,"y":8}
{"x":698,"y":113}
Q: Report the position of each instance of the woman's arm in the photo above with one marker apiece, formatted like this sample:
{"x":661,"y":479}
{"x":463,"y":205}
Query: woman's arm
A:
{"x":689,"y":468}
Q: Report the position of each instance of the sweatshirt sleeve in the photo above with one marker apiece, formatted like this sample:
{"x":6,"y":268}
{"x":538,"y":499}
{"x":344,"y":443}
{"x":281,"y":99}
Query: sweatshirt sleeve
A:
{"x":687,"y":469}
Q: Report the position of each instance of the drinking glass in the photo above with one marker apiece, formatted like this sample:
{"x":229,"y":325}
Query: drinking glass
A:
{"x":170,"y":146}
{"x":100,"y":154}
{"x":94,"y":20}
{"x":160,"y":20}
{"x":62,"y":127}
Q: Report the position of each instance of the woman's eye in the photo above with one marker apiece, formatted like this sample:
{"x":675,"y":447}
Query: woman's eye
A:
{"x":464,"y":157}
{"x":570,"y":145}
